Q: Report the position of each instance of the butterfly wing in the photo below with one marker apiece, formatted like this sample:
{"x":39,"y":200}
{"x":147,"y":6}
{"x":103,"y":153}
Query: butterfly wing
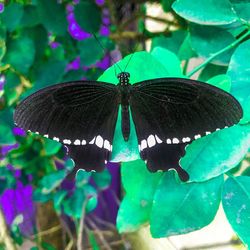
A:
{"x":80,"y":115}
{"x":171,"y":112}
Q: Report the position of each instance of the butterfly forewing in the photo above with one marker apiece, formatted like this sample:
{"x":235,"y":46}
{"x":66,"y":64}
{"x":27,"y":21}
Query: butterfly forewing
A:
{"x":80,"y":115}
{"x":170,"y":111}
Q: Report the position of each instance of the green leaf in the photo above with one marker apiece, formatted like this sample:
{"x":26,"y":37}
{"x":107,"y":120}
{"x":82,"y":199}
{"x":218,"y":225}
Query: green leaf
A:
{"x":166,"y":5}
{"x":89,"y":23}
{"x":91,"y":51}
{"x":73,"y":205}
{"x":58,"y":198}
{"x":6,"y":135}
{"x":53,"y":16}
{"x":20,"y":53}
{"x":236,"y":204}
{"x":239,"y":71}
{"x":181,"y":208}
{"x":82,"y":178}
{"x":132,"y":214}
{"x":30,"y":16}
{"x":210,"y":71}
{"x":172,"y":42}
{"x":51,"y":181}
{"x":39,"y":196}
{"x":103,"y":179}
{"x":91,"y":204}
{"x":51,"y":147}
{"x":12,"y":16}
{"x":242,"y":9}
{"x":208,"y":12}
{"x":48,"y":73}
{"x":215,"y":154}
{"x":169,"y":60}
{"x":140,"y":186}
{"x":221,"y":81}
{"x":142,"y":67}
{"x":206,"y":43}
{"x":39,"y":35}
{"x":186,"y":51}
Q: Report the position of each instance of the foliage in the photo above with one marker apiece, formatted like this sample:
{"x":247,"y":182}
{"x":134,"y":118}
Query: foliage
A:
{"x":42,"y":44}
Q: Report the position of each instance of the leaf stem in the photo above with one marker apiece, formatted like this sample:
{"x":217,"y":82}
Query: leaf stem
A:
{"x":230,"y":46}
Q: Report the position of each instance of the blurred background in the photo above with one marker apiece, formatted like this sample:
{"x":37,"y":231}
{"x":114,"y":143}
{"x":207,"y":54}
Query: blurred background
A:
{"x":43,"y":42}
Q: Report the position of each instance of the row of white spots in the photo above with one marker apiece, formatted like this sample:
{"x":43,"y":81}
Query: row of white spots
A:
{"x":153,"y":139}
{"x":98,"y":140}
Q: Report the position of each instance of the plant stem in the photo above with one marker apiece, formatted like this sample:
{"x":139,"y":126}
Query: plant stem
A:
{"x":230,"y":46}
{"x":81,"y":227}
{"x":4,"y":234}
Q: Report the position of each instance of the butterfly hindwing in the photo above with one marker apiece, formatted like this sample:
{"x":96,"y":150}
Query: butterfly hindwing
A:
{"x":175,"y":111}
{"x":80,"y":115}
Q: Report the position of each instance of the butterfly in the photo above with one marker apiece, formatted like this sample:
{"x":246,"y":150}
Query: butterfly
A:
{"x":168,"y":114}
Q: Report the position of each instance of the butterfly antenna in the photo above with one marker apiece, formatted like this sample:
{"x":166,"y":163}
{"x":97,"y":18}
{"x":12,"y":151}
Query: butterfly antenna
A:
{"x":131,"y":56}
{"x":104,"y":50}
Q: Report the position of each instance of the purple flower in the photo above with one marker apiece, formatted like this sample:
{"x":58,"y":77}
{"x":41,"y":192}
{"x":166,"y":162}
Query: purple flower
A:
{"x":1,"y":7}
{"x":19,"y":131}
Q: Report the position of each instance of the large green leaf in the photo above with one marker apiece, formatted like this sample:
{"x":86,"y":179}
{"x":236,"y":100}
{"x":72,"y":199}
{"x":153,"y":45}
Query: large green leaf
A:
{"x":171,"y":42}
{"x":242,"y":9}
{"x":132,"y":214}
{"x":53,"y":16}
{"x":143,"y":66}
{"x":207,"y":12}
{"x":181,"y":208}
{"x":88,"y":16}
{"x":140,"y":186}
{"x":12,"y":16}
{"x":236,"y":204}
{"x":206,"y":43}
{"x":239,"y":71}
{"x":169,"y":60}
{"x":20,"y":53}
{"x":222,"y":81}
{"x":211,"y":70}
{"x":216,"y":153}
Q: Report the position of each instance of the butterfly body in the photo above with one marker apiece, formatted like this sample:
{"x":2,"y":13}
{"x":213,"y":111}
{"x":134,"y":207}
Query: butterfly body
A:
{"x":124,"y":88}
{"x":168,"y":114}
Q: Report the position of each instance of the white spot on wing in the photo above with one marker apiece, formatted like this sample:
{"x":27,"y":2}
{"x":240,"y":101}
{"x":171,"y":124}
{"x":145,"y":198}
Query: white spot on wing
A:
{"x":197,"y":136}
{"x":84,"y":142}
{"x":143,"y":144}
{"x":169,"y":141}
{"x":77,"y":142}
{"x":37,"y":133}
{"x":99,"y":141}
{"x":107,"y":145}
{"x":55,"y":139}
{"x":208,"y":133}
{"x":46,"y":136}
{"x":158,"y":139}
{"x":66,"y":141}
{"x":151,"y":141}
{"x":92,"y":141}
{"x":175,"y":141}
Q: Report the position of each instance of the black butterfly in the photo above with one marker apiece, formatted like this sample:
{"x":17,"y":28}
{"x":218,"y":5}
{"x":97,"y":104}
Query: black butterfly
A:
{"x":168,"y":114}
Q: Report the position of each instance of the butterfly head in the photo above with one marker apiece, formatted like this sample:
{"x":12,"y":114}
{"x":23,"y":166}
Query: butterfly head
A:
{"x":123,"y":78}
